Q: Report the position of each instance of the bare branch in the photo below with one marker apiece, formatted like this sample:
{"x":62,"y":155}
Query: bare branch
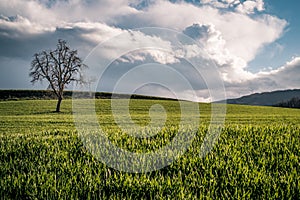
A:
{"x":59,"y":67}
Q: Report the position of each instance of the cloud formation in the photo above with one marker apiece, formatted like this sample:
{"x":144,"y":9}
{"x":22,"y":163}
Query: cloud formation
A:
{"x":231,"y":32}
{"x":245,"y":7}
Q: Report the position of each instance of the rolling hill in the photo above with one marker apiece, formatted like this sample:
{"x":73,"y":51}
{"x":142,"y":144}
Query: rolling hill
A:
{"x":266,"y":98}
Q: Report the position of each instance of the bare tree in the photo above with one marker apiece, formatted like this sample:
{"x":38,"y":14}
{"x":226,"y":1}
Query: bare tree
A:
{"x":59,"y":67}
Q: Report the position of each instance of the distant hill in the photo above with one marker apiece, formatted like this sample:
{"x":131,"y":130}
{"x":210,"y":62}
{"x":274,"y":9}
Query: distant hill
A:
{"x":48,"y":94}
{"x":292,"y":103}
{"x":266,"y":98}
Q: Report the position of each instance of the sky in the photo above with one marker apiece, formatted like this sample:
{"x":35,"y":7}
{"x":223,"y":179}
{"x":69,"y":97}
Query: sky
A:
{"x":247,"y":46}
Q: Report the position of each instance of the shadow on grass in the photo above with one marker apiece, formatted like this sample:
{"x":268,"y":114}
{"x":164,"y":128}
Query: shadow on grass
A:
{"x":53,"y":112}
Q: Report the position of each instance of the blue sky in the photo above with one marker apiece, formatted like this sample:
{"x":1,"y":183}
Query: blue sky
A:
{"x":253,"y":44}
{"x":290,"y":42}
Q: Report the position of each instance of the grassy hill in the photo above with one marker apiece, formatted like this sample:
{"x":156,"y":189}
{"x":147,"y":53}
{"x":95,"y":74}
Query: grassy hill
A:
{"x":43,"y":157}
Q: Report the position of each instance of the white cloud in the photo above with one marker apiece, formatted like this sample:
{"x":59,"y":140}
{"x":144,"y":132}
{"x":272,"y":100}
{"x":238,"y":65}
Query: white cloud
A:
{"x":94,"y":32}
{"x":140,"y":46}
{"x":245,"y":7}
{"x":215,"y":3}
{"x":30,"y":9}
{"x":96,"y":10}
{"x":231,"y":66}
{"x":244,"y":35}
{"x":60,"y":11}
{"x":18,"y":26}
{"x":160,"y":56}
{"x":249,"y":6}
{"x":285,"y":77}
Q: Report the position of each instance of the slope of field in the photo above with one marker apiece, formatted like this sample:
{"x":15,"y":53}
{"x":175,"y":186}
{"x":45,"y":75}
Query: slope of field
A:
{"x":42,"y":157}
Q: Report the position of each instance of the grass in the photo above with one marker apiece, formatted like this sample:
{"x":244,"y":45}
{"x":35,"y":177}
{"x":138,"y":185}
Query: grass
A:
{"x":42,"y":157}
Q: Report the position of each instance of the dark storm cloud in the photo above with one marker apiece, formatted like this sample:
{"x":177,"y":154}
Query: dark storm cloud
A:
{"x":25,"y":46}
{"x":16,"y":53}
{"x":196,"y":31}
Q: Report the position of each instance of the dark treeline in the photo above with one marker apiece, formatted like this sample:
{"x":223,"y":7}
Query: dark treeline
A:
{"x":292,"y":103}
{"x":48,"y":94}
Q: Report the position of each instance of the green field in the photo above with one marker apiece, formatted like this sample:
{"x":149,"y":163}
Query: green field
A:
{"x":42,"y":157}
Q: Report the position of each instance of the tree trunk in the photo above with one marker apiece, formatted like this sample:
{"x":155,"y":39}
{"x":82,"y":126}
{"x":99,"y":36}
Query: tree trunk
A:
{"x":58,"y":104}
